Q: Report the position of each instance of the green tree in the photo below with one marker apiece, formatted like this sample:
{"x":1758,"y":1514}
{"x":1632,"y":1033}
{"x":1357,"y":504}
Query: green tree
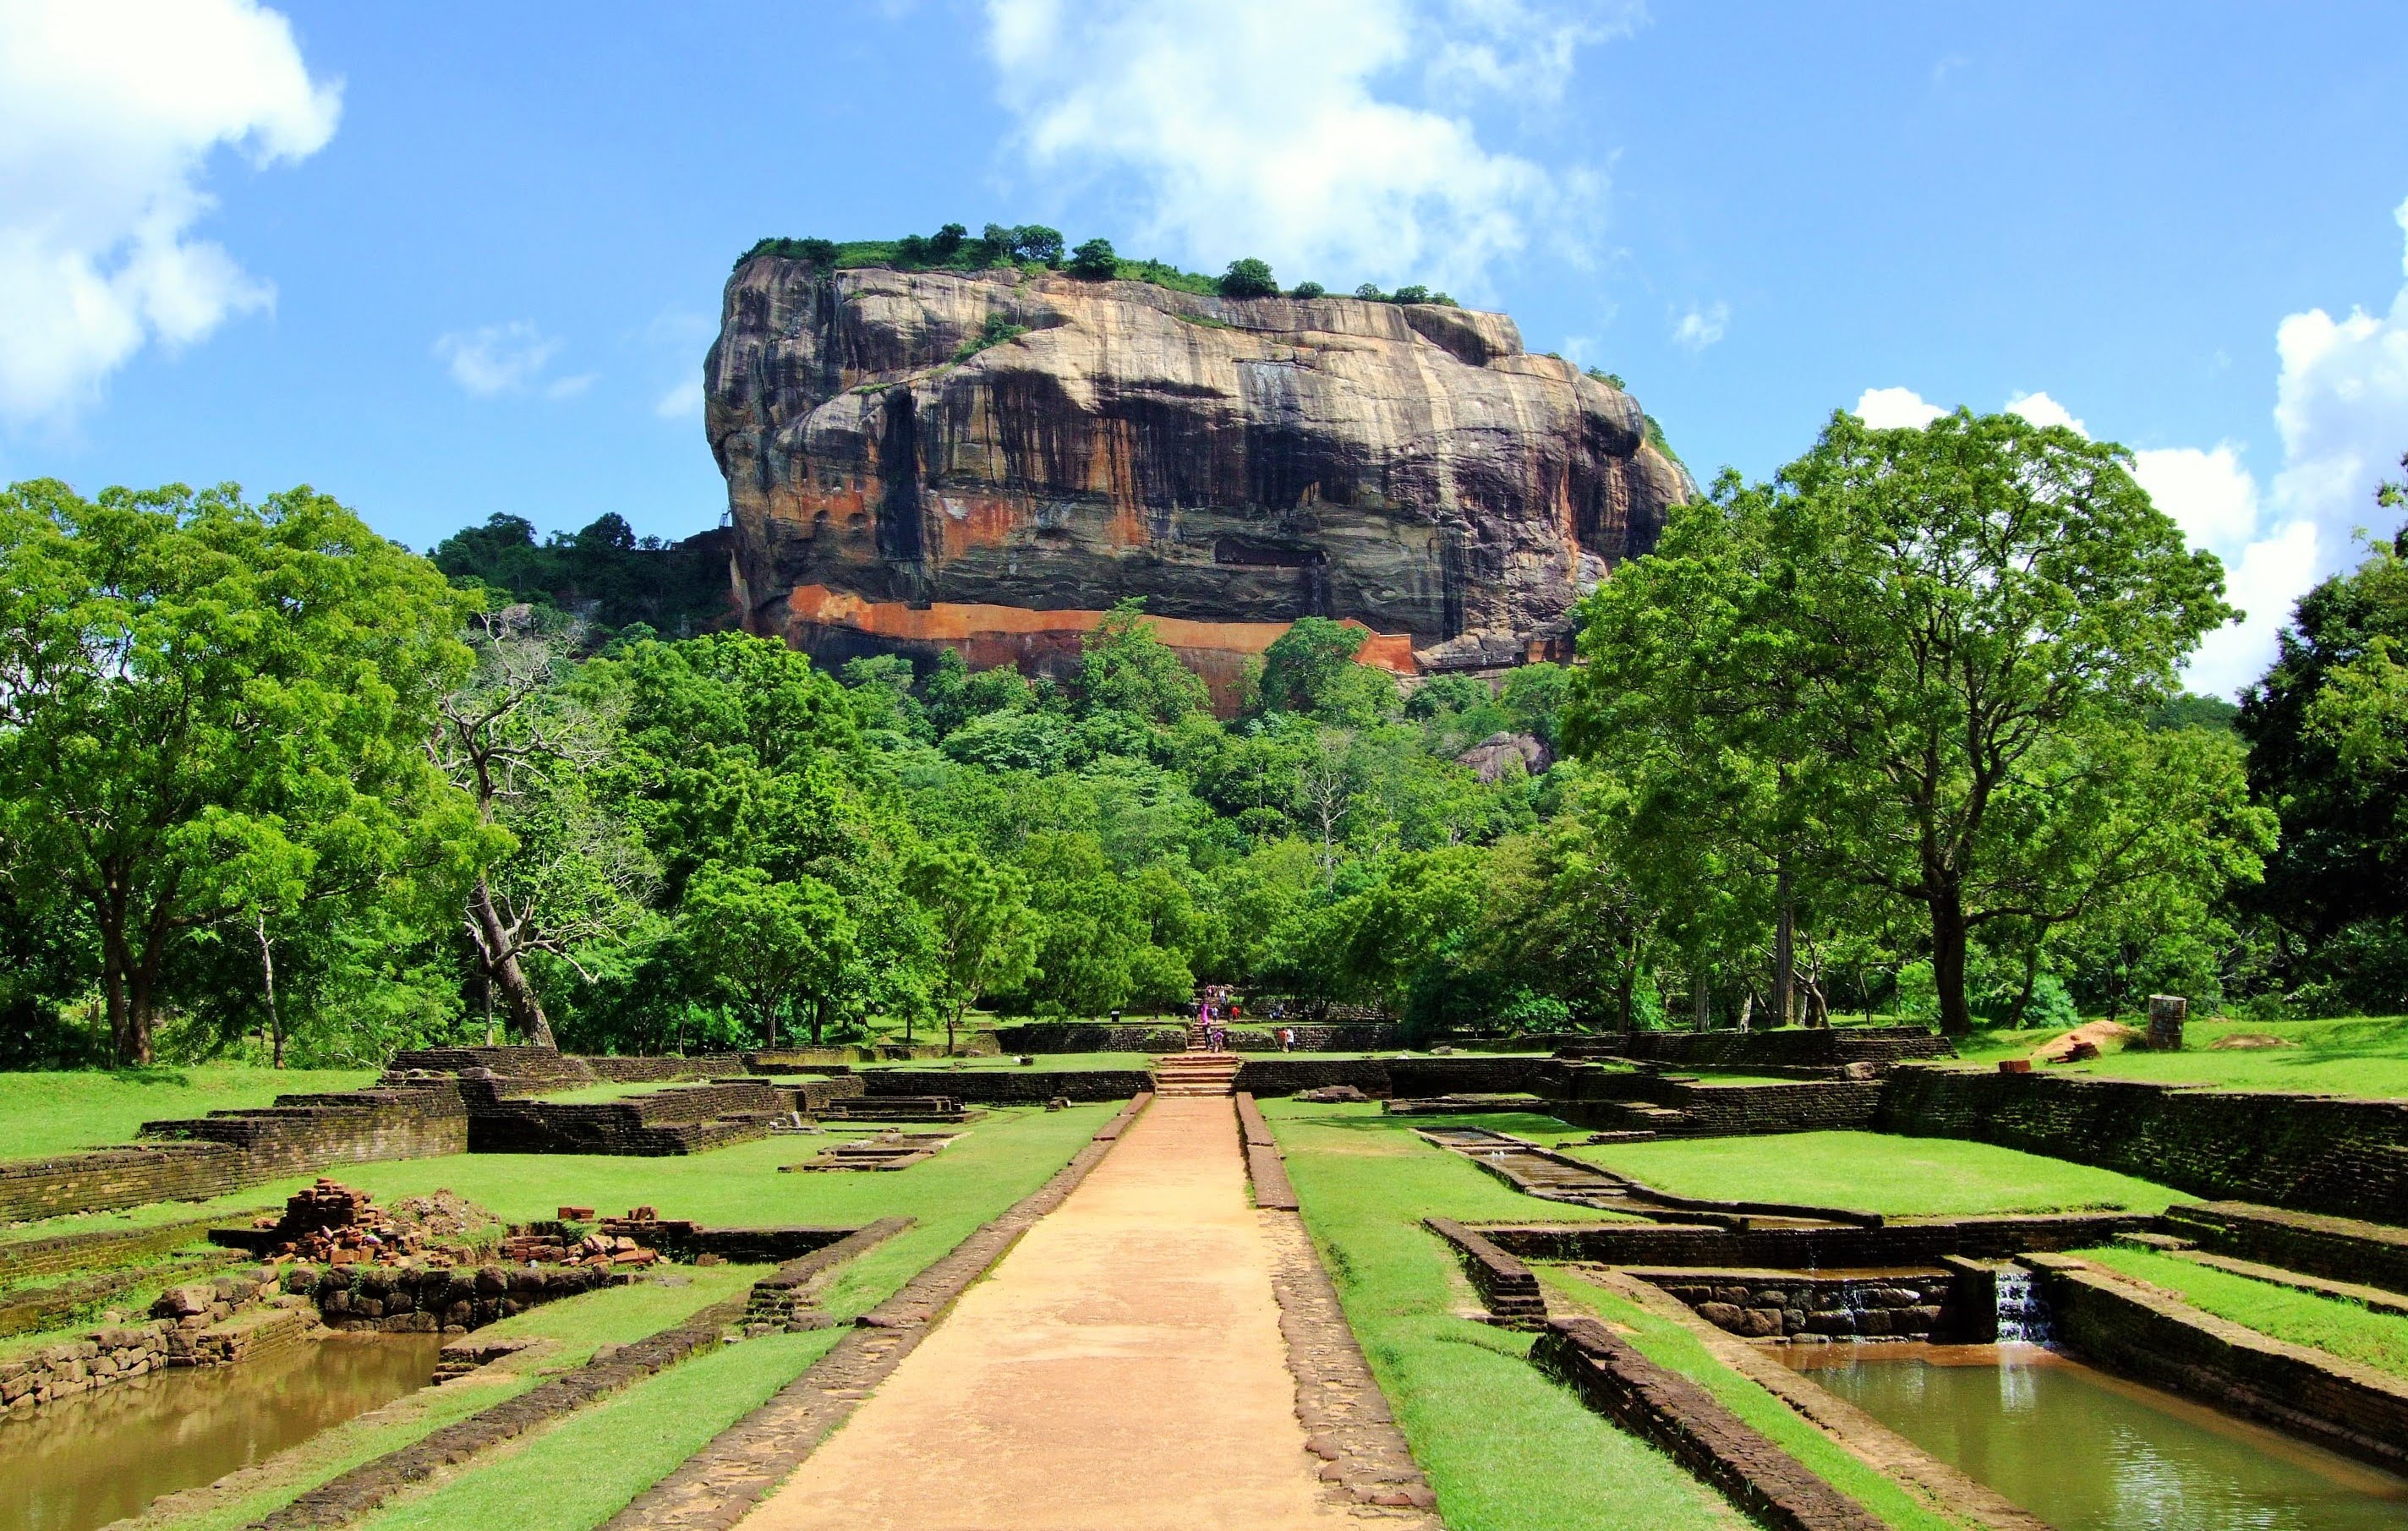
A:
{"x":1248,"y":278}
{"x":1093,"y":260}
{"x":985,"y":932}
{"x":1310,"y":669}
{"x":1124,"y":667}
{"x":556,"y":867}
{"x":777,"y":950}
{"x":211,"y":707}
{"x":1942,"y":641}
{"x":2324,"y":727}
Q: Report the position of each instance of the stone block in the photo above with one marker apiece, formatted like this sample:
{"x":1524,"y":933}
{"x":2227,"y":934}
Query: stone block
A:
{"x":1722,"y":1315}
{"x":1760,"y":1323}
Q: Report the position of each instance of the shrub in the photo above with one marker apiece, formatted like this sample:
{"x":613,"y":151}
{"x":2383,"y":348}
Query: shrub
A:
{"x":947,"y":243}
{"x":1308,"y":289}
{"x":1036,"y":242}
{"x":1094,"y":262}
{"x":1411,"y":294}
{"x":995,"y":332}
{"x":1369,"y":293}
{"x":1249,"y":277}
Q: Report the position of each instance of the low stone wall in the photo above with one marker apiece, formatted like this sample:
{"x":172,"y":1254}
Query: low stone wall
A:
{"x":1008,"y":1086}
{"x":1811,"y":1305}
{"x":1678,"y":1416}
{"x":2155,"y":1336}
{"x":1594,"y":1096}
{"x":1263,"y":1076}
{"x":1901,"y":1243}
{"x":707,"y":1065}
{"x":2315,"y":1154}
{"x":425,"y":1299}
{"x":1411,"y":1078}
{"x":195,"y":1159}
{"x":524,"y":1070}
{"x":688,"y":1119}
{"x":1790,"y":1045}
{"x":2340,"y":1249}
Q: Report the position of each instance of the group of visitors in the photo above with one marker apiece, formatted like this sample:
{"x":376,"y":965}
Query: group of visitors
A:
{"x":1216,"y":1005}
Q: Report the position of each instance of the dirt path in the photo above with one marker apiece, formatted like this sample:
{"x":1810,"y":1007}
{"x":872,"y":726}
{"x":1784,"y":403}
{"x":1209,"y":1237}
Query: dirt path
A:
{"x":1122,"y":1369}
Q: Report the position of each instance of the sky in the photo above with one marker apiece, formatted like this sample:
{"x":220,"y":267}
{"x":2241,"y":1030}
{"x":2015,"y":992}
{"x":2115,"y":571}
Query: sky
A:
{"x":448,"y":259}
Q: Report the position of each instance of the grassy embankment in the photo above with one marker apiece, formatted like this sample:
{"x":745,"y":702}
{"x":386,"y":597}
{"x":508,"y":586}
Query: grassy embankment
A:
{"x":2359,"y":1056}
{"x":1876,"y":1172}
{"x":2302,"y":1318}
{"x":1505,"y":1448}
{"x":584,"y":1469}
{"x":46,"y":1113}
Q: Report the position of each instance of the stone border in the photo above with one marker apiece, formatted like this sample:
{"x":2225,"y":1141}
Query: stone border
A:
{"x":349,"y":1495}
{"x":1689,"y":1423}
{"x":722,"y":1484}
{"x":2149,"y":1333}
{"x":1265,"y":1166}
{"x":1862,"y":1436}
{"x":1506,"y":1287}
{"x":1366,"y":1463}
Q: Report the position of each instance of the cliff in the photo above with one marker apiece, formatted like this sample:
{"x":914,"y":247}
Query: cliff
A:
{"x":988,"y":460}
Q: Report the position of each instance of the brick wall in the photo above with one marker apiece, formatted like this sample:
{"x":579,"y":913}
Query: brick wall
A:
{"x":1921,"y":1243}
{"x":1790,"y":1045}
{"x":2316,"y":1154}
{"x":2340,"y":1249}
{"x":1008,"y":1086}
{"x":689,"y":1119}
{"x":207,"y":1157}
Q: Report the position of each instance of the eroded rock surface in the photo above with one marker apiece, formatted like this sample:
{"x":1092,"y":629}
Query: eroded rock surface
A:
{"x":1240,"y":462}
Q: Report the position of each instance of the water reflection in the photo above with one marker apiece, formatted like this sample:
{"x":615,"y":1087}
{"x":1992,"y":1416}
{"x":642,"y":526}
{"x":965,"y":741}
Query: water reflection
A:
{"x":2088,"y":1452}
{"x":84,"y":1462}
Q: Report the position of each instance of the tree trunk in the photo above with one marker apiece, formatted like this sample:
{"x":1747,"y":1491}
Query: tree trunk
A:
{"x":1948,"y":943}
{"x":1626,"y":989}
{"x":2023,"y":997}
{"x":267,"y":982}
{"x":502,"y":967}
{"x":1784,"y":948}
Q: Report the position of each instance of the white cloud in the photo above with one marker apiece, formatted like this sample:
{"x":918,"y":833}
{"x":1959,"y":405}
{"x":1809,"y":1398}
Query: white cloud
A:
{"x":1274,"y":127}
{"x":1895,"y":408}
{"x":2043,"y":411}
{"x":111,"y":111}
{"x":506,"y":359}
{"x":2342,"y":406}
{"x":2209,"y":494}
{"x":1699,"y":328}
{"x":683,"y":401}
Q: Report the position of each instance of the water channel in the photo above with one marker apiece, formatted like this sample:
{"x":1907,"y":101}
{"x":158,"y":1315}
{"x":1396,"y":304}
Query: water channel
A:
{"x":86,"y":1460}
{"x":2085,"y":1451}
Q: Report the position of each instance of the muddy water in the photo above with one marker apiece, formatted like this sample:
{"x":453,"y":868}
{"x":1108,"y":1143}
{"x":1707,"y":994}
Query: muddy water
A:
{"x":2089,"y":1452}
{"x":84,"y":1462}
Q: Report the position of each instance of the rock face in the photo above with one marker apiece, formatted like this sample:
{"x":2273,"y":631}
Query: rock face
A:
{"x":896,"y":485}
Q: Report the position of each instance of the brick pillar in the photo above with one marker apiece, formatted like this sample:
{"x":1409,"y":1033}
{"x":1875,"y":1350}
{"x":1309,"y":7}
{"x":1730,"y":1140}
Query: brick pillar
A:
{"x":2167,"y":1013}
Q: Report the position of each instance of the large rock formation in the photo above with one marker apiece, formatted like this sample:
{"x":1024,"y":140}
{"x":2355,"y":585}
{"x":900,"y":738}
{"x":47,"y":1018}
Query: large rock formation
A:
{"x":897,"y":486}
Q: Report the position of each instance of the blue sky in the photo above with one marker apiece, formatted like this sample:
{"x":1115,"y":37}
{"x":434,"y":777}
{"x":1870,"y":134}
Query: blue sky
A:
{"x":445,"y":260}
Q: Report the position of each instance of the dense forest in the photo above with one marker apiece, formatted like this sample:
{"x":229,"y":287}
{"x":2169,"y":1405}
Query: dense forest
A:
{"x":1899,"y":732}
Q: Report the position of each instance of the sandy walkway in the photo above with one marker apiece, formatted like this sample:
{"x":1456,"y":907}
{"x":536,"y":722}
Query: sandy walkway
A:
{"x":1122,"y":1369}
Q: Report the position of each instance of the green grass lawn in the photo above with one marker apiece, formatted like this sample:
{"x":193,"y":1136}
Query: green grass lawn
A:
{"x":1505,"y":1448}
{"x":1875,"y":1172}
{"x":583,"y":1470}
{"x":1673,"y":1347}
{"x":2302,"y":1318}
{"x":2354,"y":1056}
{"x":45,"y":1113}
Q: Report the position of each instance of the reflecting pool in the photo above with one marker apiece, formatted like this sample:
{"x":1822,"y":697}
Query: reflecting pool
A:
{"x":2086,"y":1451}
{"x":86,"y":1460}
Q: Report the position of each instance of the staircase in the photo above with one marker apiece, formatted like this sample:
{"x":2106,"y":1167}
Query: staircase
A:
{"x":1194,"y":1073}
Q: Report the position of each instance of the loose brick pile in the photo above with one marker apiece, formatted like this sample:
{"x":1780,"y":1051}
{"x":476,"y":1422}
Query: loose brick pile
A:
{"x":334,"y":1225}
